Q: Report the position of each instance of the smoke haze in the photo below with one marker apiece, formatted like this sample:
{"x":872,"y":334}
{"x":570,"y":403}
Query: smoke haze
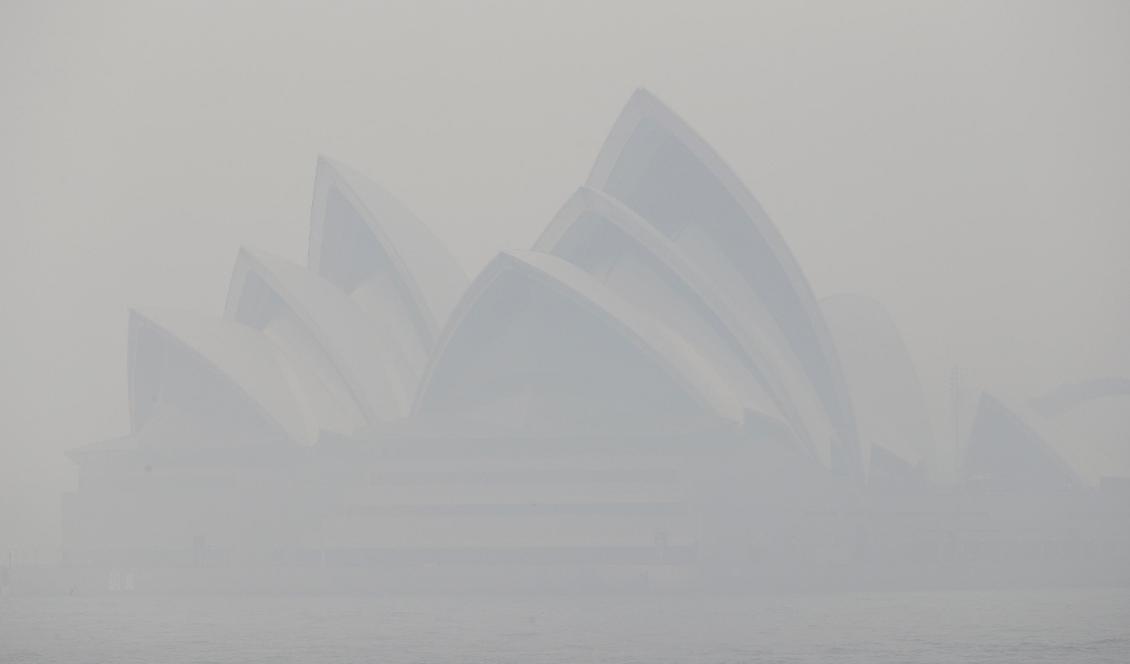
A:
{"x":964,"y":163}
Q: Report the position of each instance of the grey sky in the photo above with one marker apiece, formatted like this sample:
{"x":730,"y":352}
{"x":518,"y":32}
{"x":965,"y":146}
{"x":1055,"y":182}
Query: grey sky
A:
{"x":966,"y":163}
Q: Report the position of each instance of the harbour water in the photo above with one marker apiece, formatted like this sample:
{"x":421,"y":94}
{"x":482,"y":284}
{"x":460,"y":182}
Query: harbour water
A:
{"x":1061,"y":625}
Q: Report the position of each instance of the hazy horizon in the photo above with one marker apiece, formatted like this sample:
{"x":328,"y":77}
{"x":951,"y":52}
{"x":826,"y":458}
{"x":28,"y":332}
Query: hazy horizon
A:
{"x":964,"y":163}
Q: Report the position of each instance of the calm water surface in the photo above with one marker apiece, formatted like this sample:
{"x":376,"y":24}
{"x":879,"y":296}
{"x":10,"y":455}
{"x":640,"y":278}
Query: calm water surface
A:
{"x":1030,"y":626}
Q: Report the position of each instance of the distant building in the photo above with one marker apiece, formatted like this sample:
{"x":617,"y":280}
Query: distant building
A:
{"x":651,"y":396}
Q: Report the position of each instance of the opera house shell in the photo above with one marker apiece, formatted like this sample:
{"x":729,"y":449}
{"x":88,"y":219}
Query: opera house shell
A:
{"x":651,"y":395}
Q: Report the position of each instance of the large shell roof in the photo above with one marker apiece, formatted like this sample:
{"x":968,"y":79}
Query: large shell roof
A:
{"x":658,"y":166}
{"x":344,"y":332}
{"x":235,"y":352}
{"x":688,"y":294}
{"x":550,"y":277}
{"x":431,"y":278}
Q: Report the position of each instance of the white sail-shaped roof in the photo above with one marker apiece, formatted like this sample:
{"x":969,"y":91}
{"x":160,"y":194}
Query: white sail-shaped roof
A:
{"x":658,"y":166}
{"x":370,"y":246}
{"x":629,"y":256}
{"x":324,"y":335}
{"x":886,"y":395}
{"x":537,"y":343}
{"x":220,"y":378}
{"x":1008,"y":446}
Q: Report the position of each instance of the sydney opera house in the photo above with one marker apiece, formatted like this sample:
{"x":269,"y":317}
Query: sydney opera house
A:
{"x":651,"y":396}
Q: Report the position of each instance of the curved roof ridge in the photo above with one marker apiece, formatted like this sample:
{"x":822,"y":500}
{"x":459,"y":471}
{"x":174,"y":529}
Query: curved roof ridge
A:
{"x":644,"y":103}
{"x":431,"y":277}
{"x":744,"y":335}
{"x":341,"y":329}
{"x":649,"y":334}
{"x":645,"y":110}
{"x":670,"y":351}
{"x":237,"y":353}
